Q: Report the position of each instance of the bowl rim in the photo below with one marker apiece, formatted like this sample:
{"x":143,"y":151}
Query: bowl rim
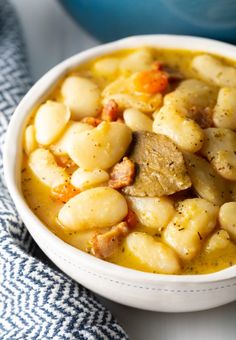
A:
{"x":13,"y":143}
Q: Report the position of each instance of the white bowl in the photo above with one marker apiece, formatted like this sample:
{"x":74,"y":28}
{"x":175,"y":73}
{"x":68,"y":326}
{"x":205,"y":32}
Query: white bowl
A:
{"x":156,"y":292}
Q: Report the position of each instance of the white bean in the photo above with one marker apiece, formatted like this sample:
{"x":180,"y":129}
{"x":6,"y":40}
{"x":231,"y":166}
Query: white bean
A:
{"x":156,"y":255}
{"x":80,"y":240}
{"x":194,"y":220}
{"x":218,"y":241}
{"x":106,"y":67}
{"x":50,"y":121}
{"x":70,"y":135}
{"x":152,"y":212}
{"x":119,"y":85}
{"x":94,"y":208}
{"x":219,"y":147}
{"x":30,"y":143}
{"x":83,"y":179}
{"x":82,"y":96}
{"x":139,"y":60}
{"x":101,"y":147}
{"x":137,"y":120}
{"x":227,"y":218}
{"x":206,"y":181}
{"x":191,"y":93}
{"x":213,"y":70}
{"x":225,"y":110}
{"x":44,"y":166}
{"x":184,"y":132}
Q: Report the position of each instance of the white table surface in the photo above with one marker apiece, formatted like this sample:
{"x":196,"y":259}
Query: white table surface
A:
{"x":52,"y":36}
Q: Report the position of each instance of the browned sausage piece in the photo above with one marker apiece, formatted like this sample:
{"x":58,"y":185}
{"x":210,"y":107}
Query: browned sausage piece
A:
{"x":160,"y":167}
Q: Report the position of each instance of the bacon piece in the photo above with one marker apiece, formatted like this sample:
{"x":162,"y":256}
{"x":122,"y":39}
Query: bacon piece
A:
{"x":104,"y":245}
{"x":91,"y":121}
{"x":64,"y":192}
{"x":131,"y":219}
{"x":110,"y":111}
{"x":122,"y":174}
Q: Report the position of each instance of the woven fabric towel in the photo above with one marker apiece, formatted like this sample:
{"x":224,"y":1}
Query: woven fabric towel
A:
{"x":36,"y":300}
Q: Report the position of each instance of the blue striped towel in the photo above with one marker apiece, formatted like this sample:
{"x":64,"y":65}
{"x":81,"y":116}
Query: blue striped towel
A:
{"x":37,"y":301}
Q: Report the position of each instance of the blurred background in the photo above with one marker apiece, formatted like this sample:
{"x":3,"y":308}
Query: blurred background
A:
{"x":52,"y":35}
{"x":109,"y":20}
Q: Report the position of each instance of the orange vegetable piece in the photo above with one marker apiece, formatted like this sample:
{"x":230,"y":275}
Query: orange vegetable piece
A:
{"x":151,"y":81}
{"x":64,"y":192}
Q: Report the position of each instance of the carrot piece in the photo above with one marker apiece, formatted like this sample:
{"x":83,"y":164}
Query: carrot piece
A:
{"x":151,"y":81}
{"x":64,"y":192}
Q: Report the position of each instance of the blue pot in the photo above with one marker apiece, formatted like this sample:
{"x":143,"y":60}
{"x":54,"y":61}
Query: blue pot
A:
{"x":112,"y":19}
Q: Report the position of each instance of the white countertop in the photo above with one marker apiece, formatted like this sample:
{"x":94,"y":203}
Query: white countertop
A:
{"x":52,"y":36}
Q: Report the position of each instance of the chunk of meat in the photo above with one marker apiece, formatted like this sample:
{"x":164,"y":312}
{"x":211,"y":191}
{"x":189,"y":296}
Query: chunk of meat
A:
{"x":131,"y":219}
{"x":110,"y":111}
{"x":104,"y":245}
{"x":91,"y":121}
{"x":160,"y":167}
{"x":64,"y":192}
{"x":122,"y":174}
